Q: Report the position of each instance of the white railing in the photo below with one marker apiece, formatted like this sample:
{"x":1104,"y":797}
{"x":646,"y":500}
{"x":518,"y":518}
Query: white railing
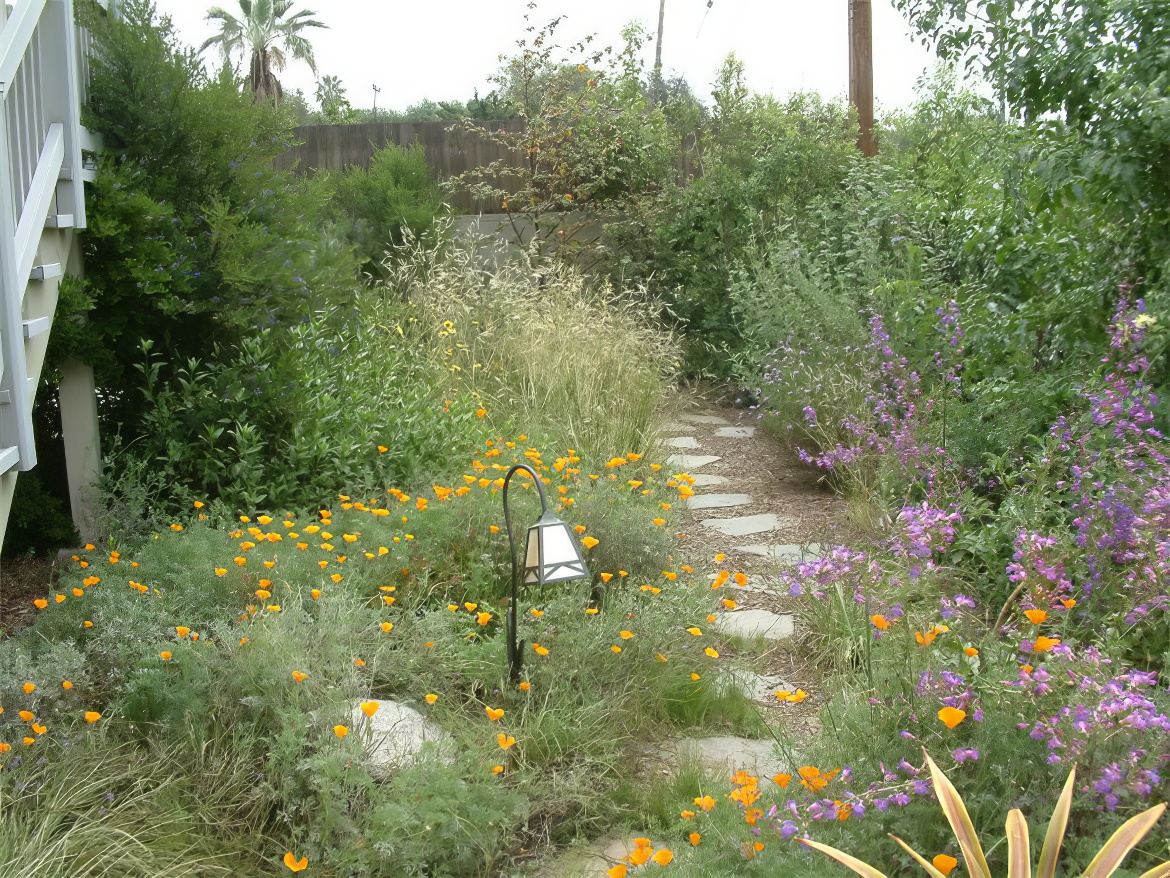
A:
{"x":41,"y":187}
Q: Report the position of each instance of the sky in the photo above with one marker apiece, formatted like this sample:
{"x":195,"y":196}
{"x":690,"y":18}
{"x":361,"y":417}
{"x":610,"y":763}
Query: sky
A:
{"x":445,"y":49}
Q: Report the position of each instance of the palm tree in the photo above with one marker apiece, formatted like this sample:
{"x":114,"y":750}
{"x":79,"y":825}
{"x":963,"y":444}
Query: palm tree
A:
{"x":256,"y":32}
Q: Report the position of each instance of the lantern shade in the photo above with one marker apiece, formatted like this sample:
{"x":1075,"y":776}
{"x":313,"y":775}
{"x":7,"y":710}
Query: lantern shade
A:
{"x":552,"y":554}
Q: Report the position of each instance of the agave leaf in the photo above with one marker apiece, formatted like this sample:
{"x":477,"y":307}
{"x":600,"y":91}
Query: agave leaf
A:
{"x":929,"y":867}
{"x":1162,"y":871}
{"x":1054,"y":838}
{"x":863,"y":869}
{"x":960,"y":820}
{"x":1122,"y":842}
{"x":1019,"y":853}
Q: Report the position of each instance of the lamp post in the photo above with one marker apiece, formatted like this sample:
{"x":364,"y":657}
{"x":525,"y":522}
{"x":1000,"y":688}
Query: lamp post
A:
{"x":550,"y":555}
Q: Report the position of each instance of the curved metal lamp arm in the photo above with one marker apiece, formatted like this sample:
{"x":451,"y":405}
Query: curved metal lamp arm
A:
{"x":515,"y":656}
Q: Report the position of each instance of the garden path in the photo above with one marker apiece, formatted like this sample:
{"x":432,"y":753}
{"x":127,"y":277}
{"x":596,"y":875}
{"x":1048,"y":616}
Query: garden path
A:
{"x":760,"y":507}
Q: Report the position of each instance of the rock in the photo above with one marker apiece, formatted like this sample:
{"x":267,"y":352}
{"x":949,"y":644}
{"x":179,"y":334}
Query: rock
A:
{"x":398,"y":735}
{"x":683,"y":442}
{"x":727,"y":754}
{"x":718,"y":501}
{"x":687,"y":462}
{"x":751,"y":685}
{"x":703,"y":419}
{"x":736,"y":432}
{"x":748,"y":524}
{"x":784,"y":554}
{"x":706,"y":480}
{"x":756,"y":623}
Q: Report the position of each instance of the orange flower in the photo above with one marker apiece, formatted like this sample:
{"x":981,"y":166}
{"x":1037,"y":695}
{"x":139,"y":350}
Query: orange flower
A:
{"x":1036,"y":616}
{"x":1043,"y":644}
{"x":431,"y":698}
{"x":92,"y":716}
{"x":663,"y":857}
{"x":606,"y":577}
{"x":387,"y":627}
{"x":659,"y":521}
{"x":944,"y":863}
{"x":1069,"y":603}
{"x":590,"y":542}
{"x":706,"y":803}
{"x":182,"y":631}
{"x":881,"y":623}
{"x":626,"y":635}
{"x":293,"y":864}
{"x":695,"y":838}
{"x":299,"y":675}
{"x":315,"y":593}
{"x":29,"y":688}
{"x":369,"y":708}
{"x":615,"y":648}
{"x":741,"y":579}
{"x":971,"y":652}
{"x":497,"y":769}
{"x":535,"y":613}
{"x":165,"y":655}
{"x":951,"y":716}
{"x":729,"y":603}
{"x":782,"y":780}
{"x":494,"y":713}
{"x":618,"y":871}
{"x":40,"y":603}
{"x":341,"y":731}
{"x":359,"y":662}
{"x":711,"y":653}
{"x":540,"y":650}
{"x":483,"y":618}
{"x":525,"y":686}
{"x":505,"y":741}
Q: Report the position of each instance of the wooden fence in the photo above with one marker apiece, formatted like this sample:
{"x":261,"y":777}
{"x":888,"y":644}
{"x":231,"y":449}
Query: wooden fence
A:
{"x":449,"y":151}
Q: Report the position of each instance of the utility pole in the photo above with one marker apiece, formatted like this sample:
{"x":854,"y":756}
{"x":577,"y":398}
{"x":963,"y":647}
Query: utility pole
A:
{"x":658,"y":51}
{"x":861,"y":70}
{"x":376,"y":90}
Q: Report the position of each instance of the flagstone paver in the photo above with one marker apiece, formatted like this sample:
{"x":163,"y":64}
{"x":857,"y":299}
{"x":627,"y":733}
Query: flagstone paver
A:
{"x":756,"y":623}
{"x":748,"y":524}
{"x":783,"y":554}
{"x":727,"y":754}
{"x":683,"y":442}
{"x":707,"y":480}
{"x":757,"y":687}
{"x":687,"y":462}
{"x":736,"y":432}
{"x":718,"y":501}
{"x":704,"y":419}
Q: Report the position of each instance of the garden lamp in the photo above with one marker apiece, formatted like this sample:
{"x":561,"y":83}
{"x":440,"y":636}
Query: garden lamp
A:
{"x":551,"y":555}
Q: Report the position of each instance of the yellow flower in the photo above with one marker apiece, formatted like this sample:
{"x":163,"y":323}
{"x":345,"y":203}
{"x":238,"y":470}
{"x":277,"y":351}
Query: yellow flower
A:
{"x":945,"y":864}
{"x":660,"y":521}
{"x":497,"y":769}
{"x":670,"y":575}
{"x":606,"y":577}
{"x":1036,"y":616}
{"x":92,"y":716}
{"x":616,"y":648}
{"x":369,"y":708}
{"x":387,"y":627}
{"x":695,"y":632}
{"x":87,"y":623}
{"x":65,"y":684}
{"x":1043,"y":644}
{"x":483,"y":618}
{"x":293,"y":864}
{"x":359,"y":662}
{"x":494,"y":713}
{"x":525,"y":686}
{"x":341,"y":731}
{"x":618,"y":871}
{"x":27,"y":715}
{"x":336,"y":577}
{"x":540,"y":650}
{"x":165,"y":655}
{"x":711,"y":652}
{"x":221,"y":571}
{"x":315,"y":593}
{"x":40,"y":603}
{"x":695,"y":838}
{"x":626,"y":635}
{"x":431,"y":698}
{"x":29,"y":688}
{"x":706,"y":803}
{"x":590,"y":542}
{"x":535,"y":613}
{"x":505,"y":741}
{"x":263,"y":593}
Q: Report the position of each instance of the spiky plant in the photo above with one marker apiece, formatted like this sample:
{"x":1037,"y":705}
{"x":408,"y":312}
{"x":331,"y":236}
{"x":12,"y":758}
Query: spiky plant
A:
{"x":1106,"y":862}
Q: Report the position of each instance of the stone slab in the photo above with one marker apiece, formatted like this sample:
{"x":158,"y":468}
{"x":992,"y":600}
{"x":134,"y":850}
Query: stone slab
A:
{"x":682,"y":442}
{"x":718,"y":501}
{"x":756,"y":623}
{"x":707,"y":480}
{"x":688,"y":462}
{"x":749,"y":684}
{"x":704,"y":419}
{"x":727,"y":754}
{"x":397,"y":734}
{"x":784,"y":554}
{"x":736,"y":432}
{"x":748,"y":524}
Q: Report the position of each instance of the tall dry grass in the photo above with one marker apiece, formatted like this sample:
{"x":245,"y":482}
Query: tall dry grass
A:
{"x":544,"y":348}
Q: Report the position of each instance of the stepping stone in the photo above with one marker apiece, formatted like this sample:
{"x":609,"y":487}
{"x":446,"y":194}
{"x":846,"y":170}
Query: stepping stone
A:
{"x":751,"y":685}
{"x":784,"y":554}
{"x":718,"y":501}
{"x":703,"y":419}
{"x":748,"y":524}
{"x":736,"y":432}
{"x":706,"y":480}
{"x":756,"y":623}
{"x":683,"y":442}
{"x":728,"y":754}
{"x":688,"y":462}
{"x":397,"y":735}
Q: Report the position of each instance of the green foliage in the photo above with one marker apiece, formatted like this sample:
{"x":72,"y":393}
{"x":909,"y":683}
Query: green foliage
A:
{"x":379,"y":206}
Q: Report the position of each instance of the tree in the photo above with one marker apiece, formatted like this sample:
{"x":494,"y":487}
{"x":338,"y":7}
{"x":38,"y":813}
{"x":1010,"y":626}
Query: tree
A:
{"x":335,"y":106}
{"x":264,"y":23}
